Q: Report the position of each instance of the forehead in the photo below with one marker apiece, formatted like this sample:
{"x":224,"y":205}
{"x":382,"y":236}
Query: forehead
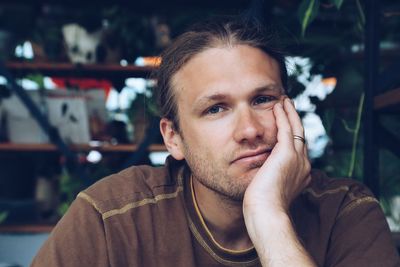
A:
{"x":226,"y":70}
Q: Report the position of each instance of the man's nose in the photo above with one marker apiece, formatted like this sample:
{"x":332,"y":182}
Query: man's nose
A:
{"x":249,"y":127}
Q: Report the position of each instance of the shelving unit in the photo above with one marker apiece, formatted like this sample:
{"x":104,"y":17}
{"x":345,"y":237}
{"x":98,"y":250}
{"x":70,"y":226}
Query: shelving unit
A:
{"x":79,"y":147}
{"x":103,"y":71}
{"x":382,"y":95}
{"x":389,"y":99}
{"x":27,"y":228}
{"x":111,"y":72}
{"x":128,"y":153}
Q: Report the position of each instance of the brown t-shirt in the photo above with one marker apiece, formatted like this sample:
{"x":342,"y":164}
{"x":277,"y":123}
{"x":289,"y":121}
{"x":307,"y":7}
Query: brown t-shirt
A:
{"x":145,"y":216}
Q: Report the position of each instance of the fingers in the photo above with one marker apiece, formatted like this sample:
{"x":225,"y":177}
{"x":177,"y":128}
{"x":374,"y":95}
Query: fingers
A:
{"x":296,"y":125}
{"x":297,"y":129}
{"x":284,"y":136}
{"x":289,"y":124}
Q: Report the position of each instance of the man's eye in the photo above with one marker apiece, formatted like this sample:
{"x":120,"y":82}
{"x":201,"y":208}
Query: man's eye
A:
{"x":263,"y":99}
{"x":214,"y":109}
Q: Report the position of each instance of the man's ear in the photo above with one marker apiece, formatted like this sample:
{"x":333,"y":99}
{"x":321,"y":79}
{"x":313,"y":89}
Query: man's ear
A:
{"x":172,"y":139}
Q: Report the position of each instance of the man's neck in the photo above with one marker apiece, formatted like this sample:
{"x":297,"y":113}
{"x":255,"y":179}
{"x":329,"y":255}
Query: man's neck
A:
{"x":223,"y":217}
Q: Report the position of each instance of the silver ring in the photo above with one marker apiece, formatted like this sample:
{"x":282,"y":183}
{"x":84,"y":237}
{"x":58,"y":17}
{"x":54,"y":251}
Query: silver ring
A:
{"x":298,"y":137}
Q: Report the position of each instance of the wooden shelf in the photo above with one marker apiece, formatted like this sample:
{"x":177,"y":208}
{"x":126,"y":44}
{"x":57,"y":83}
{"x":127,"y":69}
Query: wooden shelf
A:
{"x":103,"y":71}
{"x":80,"y":147}
{"x":387,"y":99}
{"x":33,"y":228}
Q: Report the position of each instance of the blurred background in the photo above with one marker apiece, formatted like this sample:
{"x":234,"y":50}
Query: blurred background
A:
{"x":76,"y":96}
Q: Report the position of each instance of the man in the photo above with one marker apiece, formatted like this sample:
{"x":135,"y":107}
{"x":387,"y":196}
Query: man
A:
{"x":237,"y":189}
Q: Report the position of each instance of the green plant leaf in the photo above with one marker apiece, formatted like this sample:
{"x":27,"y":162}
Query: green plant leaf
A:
{"x":347,"y":127}
{"x":37,"y":78}
{"x":338,"y":3}
{"x":62,"y":208}
{"x":307,"y":12}
{"x":3,"y":216}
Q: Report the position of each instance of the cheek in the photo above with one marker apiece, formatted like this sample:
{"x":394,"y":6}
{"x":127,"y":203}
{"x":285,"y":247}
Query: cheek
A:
{"x":268,"y":121}
{"x":212,"y":133}
{"x":205,"y":138}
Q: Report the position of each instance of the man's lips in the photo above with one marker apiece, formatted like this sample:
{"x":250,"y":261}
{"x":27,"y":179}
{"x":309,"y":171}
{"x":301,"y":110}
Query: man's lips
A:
{"x":251,"y":156}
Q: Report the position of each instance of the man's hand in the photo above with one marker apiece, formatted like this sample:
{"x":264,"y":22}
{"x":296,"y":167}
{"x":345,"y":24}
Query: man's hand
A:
{"x":286,"y":172}
{"x":279,"y":181}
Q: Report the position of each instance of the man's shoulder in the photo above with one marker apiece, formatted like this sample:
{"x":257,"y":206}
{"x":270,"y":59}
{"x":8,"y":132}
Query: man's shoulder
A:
{"x":136,"y":185}
{"x":342,"y":193}
{"x":133,"y":180}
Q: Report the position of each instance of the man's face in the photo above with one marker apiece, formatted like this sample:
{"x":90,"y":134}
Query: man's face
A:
{"x":227,"y":128}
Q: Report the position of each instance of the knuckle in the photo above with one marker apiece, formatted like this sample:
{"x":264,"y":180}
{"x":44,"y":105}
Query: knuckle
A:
{"x":292,"y":156}
{"x":307,"y":166}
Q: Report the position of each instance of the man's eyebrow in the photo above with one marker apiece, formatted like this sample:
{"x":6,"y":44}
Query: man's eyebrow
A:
{"x":271,"y":87}
{"x":210,"y":98}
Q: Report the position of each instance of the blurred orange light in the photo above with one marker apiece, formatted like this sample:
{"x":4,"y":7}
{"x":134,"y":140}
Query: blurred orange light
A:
{"x":152,"y":61}
{"x":331,"y":81}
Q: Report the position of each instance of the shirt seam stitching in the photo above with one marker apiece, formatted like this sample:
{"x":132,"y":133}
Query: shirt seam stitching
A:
{"x":355,"y":203}
{"x":199,"y":238}
{"x":331,"y":191}
{"x":90,"y":200}
{"x":107,"y":214}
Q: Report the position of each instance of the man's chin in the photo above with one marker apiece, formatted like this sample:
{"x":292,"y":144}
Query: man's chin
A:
{"x":249,"y":175}
{"x":249,"y":171}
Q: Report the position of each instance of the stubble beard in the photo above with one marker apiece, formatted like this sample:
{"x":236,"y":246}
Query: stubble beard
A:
{"x":216,"y":177}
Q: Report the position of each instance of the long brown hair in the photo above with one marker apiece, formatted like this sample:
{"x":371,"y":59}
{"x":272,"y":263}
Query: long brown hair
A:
{"x":213,"y":33}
